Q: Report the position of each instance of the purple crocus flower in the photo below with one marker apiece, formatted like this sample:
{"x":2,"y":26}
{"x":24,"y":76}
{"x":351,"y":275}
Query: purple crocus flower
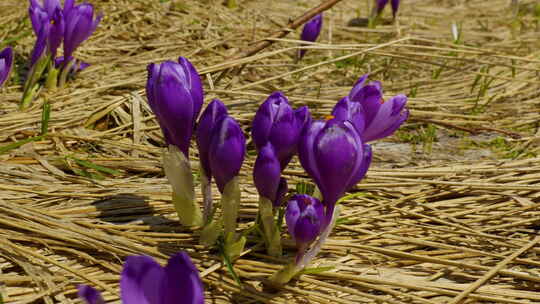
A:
{"x":380,"y":5}
{"x":266,"y":175}
{"x":75,"y":68}
{"x":333,"y":154}
{"x":213,"y":113}
{"x":395,"y":7}
{"x":6,"y":63}
{"x":372,"y":117}
{"x":305,"y":219}
{"x":311,"y":31}
{"x":175,"y":94}
{"x":143,"y":280}
{"x":227,"y":151}
{"x":277,"y":123}
{"x":79,"y":25}
{"x":48,"y":24}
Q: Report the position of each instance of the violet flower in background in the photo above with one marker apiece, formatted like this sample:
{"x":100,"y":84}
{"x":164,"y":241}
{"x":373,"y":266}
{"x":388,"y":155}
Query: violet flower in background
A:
{"x":395,"y":7}
{"x":6,"y":64}
{"x":143,"y":280}
{"x":311,"y":32}
{"x":80,"y":24}
{"x":175,"y":95}
{"x":373,"y":117}
{"x":276,"y":122}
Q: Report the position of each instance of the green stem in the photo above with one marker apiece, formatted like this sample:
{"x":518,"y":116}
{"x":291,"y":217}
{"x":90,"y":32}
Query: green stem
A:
{"x":271,"y":232}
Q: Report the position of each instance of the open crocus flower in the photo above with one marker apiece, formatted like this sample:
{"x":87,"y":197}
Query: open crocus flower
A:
{"x":6,"y":64}
{"x":80,"y":24}
{"x":276,"y":122}
{"x":175,"y":94}
{"x":143,"y":280}
{"x":311,"y":32}
{"x":372,"y":117}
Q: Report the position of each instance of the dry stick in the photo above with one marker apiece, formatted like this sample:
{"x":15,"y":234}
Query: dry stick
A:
{"x":294,"y":24}
{"x":492,"y":272}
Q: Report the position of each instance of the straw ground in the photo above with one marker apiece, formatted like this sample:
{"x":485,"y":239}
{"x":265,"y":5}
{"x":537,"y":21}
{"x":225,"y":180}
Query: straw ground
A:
{"x":447,"y":214}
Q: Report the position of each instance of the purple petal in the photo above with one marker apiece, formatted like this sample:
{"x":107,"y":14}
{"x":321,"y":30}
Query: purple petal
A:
{"x":338,"y":156}
{"x":380,"y":4}
{"x":174,"y":106}
{"x":387,"y":119}
{"x":79,"y":25}
{"x":361,"y":172}
{"x":311,"y":31}
{"x":141,"y":281}
{"x":359,"y":84}
{"x":41,"y":44}
{"x":89,"y":294}
{"x":395,"y":7}
{"x":213,"y":113}
{"x":351,"y":111}
{"x":283,"y":188}
{"x":193,"y":82}
{"x":182,"y":284}
{"x":304,"y":217}
{"x":227,"y":151}
{"x":306,"y":152}
{"x":267,"y":172}
{"x":6,"y":64}
{"x":264,"y":118}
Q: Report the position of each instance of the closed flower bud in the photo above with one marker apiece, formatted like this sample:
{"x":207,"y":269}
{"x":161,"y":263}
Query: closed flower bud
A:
{"x":305,"y":219}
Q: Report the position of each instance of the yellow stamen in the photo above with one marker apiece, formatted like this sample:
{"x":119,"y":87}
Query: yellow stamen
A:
{"x":329,"y":117}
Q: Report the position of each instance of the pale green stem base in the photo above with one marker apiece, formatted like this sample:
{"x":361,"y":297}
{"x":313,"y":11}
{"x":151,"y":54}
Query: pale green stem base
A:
{"x":230,"y":203}
{"x":271,"y":232}
{"x":178,"y":172}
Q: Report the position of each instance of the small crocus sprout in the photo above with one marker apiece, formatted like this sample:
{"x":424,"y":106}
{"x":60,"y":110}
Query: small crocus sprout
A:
{"x":311,"y":32}
{"x":305,"y":219}
{"x":277,"y":123}
{"x":6,"y":64}
{"x":366,"y":109}
{"x":143,"y":280}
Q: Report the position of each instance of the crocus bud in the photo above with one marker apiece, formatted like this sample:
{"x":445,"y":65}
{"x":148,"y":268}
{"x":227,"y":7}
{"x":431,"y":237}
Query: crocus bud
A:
{"x":395,"y":7}
{"x":227,"y":151}
{"x":213,"y":113}
{"x":311,"y":31}
{"x":266,"y":175}
{"x":372,"y":117}
{"x":79,"y":25}
{"x":277,"y":123}
{"x":41,"y":14}
{"x":333,"y":154}
{"x":175,"y":95}
{"x":143,"y":280}
{"x":6,"y":63}
{"x":305,"y":218}
{"x":379,"y":6}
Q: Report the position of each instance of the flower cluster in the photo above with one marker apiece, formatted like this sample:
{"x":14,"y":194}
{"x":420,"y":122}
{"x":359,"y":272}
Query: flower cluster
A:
{"x":53,"y":26}
{"x":143,"y":280}
{"x":334,"y":152}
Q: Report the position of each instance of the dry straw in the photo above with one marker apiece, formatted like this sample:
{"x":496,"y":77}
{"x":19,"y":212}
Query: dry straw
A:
{"x":450,"y":217}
